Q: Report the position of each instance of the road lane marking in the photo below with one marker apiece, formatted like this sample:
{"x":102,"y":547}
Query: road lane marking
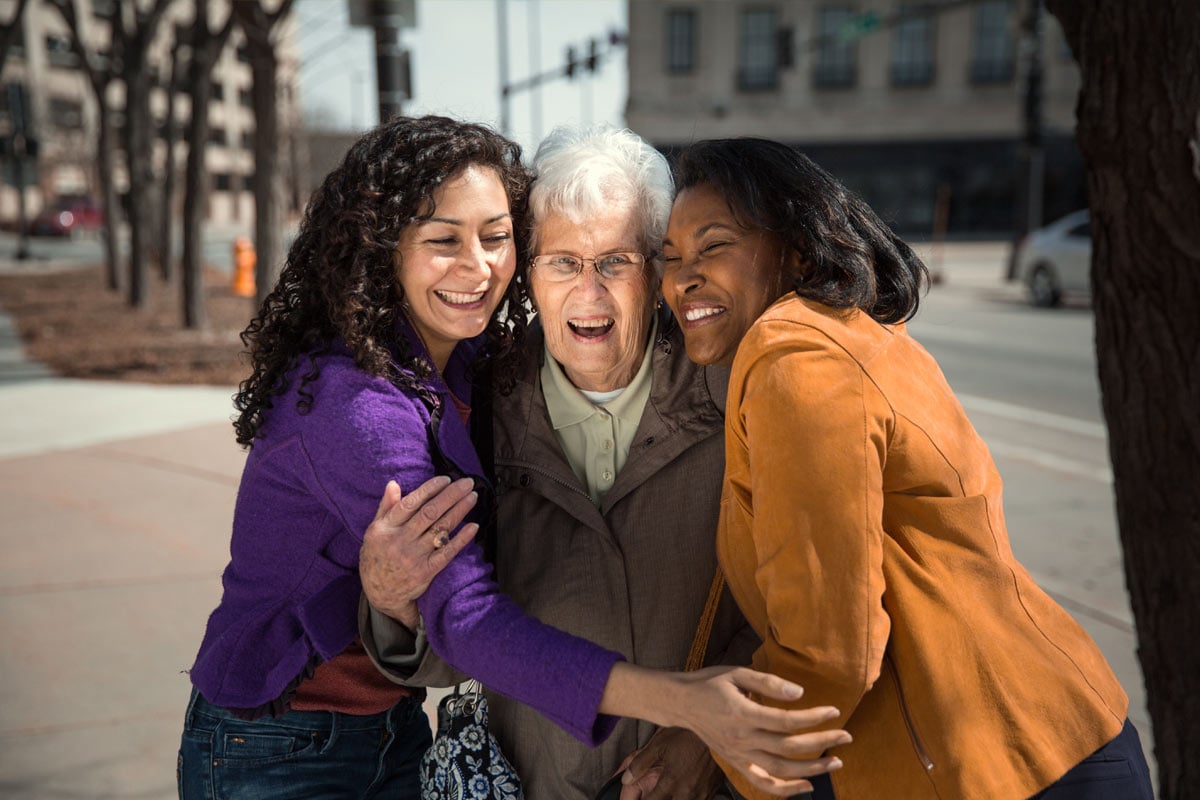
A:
{"x":1046,"y":419}
{"x":1041,"y":458}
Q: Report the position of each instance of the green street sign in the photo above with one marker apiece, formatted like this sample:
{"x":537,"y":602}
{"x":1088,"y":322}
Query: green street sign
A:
{"x":859,"y":26}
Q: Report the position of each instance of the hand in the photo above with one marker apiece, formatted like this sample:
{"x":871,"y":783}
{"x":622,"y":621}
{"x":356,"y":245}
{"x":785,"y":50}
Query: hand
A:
{"x":409,"y":543}
{"x":758,"y":740}
{"x":674,"y":765}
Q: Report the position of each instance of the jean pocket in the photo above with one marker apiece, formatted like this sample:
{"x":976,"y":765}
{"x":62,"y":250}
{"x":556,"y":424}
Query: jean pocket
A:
{"x":247,"y":748}
{"x":1097,"y":768}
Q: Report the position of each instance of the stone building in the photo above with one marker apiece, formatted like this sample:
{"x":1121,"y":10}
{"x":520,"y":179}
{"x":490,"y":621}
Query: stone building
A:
{"x":62,"y":114}
{"x":904,"y":101}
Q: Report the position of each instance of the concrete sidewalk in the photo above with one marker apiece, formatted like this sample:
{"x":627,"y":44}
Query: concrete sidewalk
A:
{"x":117,"y":503}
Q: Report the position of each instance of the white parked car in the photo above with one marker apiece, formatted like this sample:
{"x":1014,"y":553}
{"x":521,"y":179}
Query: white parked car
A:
{"x":1056,"y":260}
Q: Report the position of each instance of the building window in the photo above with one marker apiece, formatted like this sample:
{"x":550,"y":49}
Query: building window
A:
{"x":247,"y":140}
{"x":758,"y":60}
{"x":66,"y":113}
{"x":222,"y":181}
{"x":218,"y":91}
{"x":836,"y":66}
{"x":912,"y":48}
{"x":59,"y":52}
{"x":245,"y":99}
{"x":992,"y":45}
{"x":681,"y":40}
{"x":218,"y":136}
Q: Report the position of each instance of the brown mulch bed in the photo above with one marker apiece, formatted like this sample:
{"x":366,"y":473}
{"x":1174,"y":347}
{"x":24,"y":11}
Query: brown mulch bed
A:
{"x":72,"y":323}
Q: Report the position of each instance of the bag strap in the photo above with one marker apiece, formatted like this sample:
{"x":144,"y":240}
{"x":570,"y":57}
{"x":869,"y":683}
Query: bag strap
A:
{"x":695,"y":659}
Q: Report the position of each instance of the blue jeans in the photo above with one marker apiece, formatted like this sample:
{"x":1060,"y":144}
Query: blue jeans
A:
{"x":316,"y":755}
{"x":1117,"y":771}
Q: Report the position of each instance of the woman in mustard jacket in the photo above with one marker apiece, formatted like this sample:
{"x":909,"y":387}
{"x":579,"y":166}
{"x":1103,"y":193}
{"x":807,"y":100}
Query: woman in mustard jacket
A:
{"x":861,"y":529}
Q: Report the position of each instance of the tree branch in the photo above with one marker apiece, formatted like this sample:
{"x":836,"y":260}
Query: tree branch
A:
{"x":10,"y":31}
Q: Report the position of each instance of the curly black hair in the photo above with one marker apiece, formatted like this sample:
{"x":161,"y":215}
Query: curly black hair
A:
{"x":854,"y":259}
{"x":339,"y":280}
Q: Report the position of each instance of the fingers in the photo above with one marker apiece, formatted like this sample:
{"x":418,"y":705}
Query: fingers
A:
{"x":391,"y":496}
{"x":449,"y":520}
{"x":443,"y":555}
{"x":429,"y":501}
{"x":766,"y":684}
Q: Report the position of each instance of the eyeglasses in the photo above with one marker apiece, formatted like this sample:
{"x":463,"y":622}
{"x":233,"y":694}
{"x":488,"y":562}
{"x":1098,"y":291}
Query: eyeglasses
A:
{"x":562,"y":267}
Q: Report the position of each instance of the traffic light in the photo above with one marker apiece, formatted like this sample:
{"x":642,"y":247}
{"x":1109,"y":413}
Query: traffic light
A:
{"x":571,"y":62}
{"x":593,"y":54}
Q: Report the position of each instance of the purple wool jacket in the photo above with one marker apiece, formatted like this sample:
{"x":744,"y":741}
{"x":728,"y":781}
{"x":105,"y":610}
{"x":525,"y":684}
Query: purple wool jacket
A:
{"x":310,"y":488}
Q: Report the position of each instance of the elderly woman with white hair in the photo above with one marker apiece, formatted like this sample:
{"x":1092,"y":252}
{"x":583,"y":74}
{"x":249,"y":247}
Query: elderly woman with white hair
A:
{"x":608,"y":455}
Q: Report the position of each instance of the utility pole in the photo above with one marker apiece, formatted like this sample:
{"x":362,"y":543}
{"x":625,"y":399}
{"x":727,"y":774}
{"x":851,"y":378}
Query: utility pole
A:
{"x":393,"y":76}
{"x":535,"y":63}
{"x":502,"y":42}
{"x":1033,"y":154}
{"x":23,"y":150}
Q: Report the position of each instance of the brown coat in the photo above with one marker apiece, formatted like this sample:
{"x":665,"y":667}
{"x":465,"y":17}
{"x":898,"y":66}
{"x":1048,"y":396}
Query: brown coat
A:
{"x":862,"y":534}
{"x":632,"y":575}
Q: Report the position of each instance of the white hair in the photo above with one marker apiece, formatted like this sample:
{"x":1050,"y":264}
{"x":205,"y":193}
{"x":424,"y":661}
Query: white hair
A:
{"x":582,"y":172}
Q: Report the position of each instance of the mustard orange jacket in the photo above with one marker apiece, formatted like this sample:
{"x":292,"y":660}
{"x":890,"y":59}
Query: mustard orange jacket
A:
{"x":862,"y":534}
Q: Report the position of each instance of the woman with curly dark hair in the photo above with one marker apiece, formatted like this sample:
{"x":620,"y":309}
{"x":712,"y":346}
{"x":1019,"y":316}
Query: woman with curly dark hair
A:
{"x":401,"y":280}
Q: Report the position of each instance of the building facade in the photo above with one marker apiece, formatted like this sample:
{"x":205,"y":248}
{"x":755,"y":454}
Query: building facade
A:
{"x":919,"y":107}
{"x":61,"y":111}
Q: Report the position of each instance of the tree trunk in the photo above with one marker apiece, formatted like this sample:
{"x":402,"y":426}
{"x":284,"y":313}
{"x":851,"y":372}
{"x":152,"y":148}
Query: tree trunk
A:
{"x":268,"y":194}
{"x":112,"y":207}
{"x":137,"y":158}
{"x":1139,"y":129}
{"x":10,"y":31}
{"x":170,"y":136}
{"x":196,"y":191}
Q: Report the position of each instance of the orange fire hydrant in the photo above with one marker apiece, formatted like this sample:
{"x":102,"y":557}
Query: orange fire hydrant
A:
{"x":244,"y":259}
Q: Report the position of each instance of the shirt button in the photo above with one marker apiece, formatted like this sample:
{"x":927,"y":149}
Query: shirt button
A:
{"x":606,"y":475}
{"x":607,"y":445}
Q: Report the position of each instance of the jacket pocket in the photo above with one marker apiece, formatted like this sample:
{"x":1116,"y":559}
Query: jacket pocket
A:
{"x":918,"y":746}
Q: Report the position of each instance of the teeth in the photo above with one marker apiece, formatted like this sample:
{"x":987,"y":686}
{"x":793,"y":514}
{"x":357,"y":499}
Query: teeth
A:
{"x":591,"y":323}
{"x":460,"y":298}
{"x":693,"y":314}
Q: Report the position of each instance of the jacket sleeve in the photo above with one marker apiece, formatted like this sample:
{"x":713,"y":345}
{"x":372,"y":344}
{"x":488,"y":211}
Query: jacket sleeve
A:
{"x":814,"y":432}
{"x":380,"y":434}
{"x":402,"y":655}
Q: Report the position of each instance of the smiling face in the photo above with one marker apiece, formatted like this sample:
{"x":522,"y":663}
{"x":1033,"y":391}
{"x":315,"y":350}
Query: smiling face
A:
{"x":453,"y":268}
{"x":595,"y":328}
{"x":719,"y":276}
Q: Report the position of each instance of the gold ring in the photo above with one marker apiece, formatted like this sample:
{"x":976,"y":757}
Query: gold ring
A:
{"x":440,"y":537}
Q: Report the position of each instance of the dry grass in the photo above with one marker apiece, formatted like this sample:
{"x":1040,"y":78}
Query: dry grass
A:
{"x":72,"y":323}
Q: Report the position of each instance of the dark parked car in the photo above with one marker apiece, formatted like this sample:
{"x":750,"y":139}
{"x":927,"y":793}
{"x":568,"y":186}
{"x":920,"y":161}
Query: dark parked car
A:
{"x":67,"y":216}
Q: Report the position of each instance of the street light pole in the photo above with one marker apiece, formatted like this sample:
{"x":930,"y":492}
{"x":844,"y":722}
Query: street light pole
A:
{"x":502,"y":42}
{"x":391,"y":59}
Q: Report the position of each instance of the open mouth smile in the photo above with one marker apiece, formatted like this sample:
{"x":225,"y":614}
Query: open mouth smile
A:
{"x":694,"y":316}
{"x":593,"y":328}
{"x":460,"y":299}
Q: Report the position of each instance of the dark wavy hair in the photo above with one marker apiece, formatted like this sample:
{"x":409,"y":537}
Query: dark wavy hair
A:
{"x":339,"y":281}
{"x":854,"y":259}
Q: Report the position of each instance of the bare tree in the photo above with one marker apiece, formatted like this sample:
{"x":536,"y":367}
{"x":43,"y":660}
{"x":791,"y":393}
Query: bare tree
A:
{"x":98,"y":68}
{"x":260,"y":26}
{"x":207,"y":44}
{"x":10,"y":31}
{"x":133,"y":31}
{"x":170,"y":137}
{"x":1139,"y":130}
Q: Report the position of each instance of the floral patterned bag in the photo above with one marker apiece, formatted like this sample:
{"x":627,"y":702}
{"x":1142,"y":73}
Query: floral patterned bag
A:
{"x":465,"y":762}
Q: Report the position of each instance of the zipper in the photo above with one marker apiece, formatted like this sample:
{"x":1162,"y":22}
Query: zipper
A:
{"x":926,"y":761}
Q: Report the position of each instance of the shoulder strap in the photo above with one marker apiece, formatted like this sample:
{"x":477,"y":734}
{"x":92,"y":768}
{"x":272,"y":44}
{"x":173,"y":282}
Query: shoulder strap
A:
{"x":695,"y":659}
